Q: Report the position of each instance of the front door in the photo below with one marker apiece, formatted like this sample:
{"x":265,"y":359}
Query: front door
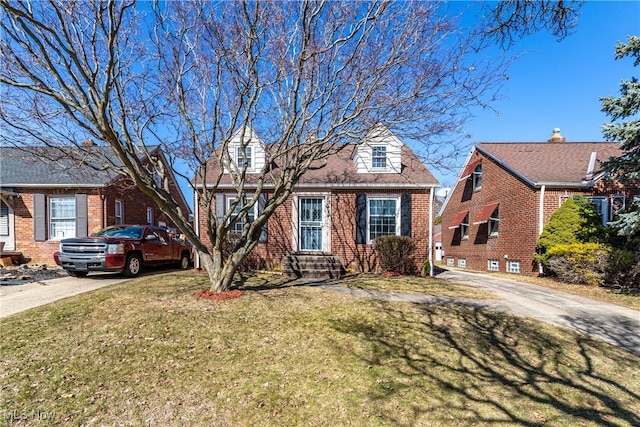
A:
{"x":311,"y":223}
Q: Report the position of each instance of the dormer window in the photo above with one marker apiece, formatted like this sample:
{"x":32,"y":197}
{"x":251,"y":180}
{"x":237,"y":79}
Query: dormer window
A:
{"x":477,"y":178}
{"x":379,"y":157}
{"x":241,"y":157}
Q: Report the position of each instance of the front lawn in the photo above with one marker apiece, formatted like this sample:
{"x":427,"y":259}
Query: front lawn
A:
{"x":147,"y":352}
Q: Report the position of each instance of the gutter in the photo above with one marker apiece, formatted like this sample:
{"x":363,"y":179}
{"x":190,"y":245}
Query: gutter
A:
{"x":330,"y":186}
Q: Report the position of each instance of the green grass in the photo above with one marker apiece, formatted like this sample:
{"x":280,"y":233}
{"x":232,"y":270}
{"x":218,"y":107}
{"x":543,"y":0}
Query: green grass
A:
{"x":416,"y":285}
{"x":146,"y":352}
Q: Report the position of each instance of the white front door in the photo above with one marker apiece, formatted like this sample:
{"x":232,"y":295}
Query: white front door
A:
{"x":311,"y":223}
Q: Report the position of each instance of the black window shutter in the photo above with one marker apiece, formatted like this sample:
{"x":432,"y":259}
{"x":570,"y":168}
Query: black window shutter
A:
{"x":405,"y":215}
{"x":39,"y":218}
{"x":220,"y":207}
{"x":81,"y":215}
{"x":361,"y":218}
{"x":262,"y":202}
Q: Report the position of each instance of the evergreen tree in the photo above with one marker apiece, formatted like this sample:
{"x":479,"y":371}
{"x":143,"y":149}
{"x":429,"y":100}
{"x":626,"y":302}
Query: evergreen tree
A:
{"x":574,"y":222}
{"x":625,"y":168}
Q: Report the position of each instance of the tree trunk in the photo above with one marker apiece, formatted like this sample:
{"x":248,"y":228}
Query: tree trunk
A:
{"x":220,"y":273}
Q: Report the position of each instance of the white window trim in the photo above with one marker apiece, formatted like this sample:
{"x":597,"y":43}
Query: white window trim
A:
{"x":389,"y":197}
{"x":250,"y":157}
{"x":50,"y":200}
{"x":232,"y":199}
{"x":474,"y":176}
{"x":150,"y":216}
{"x":494,"y":220}
{"x":464,"y":227}
{"x":386,"y":158}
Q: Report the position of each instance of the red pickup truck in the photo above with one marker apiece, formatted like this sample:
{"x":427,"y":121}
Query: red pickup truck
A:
{"x":122,"y":249}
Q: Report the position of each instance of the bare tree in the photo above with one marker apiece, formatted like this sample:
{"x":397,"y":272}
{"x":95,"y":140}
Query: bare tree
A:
{"x":307,"y":77}
{"x":510,"y":20}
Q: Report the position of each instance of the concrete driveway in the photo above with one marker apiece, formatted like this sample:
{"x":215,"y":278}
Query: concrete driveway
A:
{"x":17,"y":298}
{"x":611,"y":323}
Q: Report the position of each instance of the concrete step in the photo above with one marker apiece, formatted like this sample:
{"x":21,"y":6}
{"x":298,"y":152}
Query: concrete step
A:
{"x":312,"y":266}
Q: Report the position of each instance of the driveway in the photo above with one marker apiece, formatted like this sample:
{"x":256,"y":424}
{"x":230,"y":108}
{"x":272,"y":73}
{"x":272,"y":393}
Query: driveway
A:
{"x":17,"y":298}
{"x":614,"y":324}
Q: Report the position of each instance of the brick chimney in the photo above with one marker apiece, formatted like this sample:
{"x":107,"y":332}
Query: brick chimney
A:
{"x":88,"y":143}
{"x":556,"y":137}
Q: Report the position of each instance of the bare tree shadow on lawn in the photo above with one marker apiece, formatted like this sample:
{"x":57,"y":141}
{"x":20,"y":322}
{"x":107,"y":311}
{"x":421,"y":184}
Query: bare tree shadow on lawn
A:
{"x":475,"y":366}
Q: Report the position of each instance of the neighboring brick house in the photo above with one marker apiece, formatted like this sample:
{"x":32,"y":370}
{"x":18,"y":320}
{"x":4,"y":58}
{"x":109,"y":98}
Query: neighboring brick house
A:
{"x":507,"y":192}
{"x":374,"y":188}
{"x":43,"y":200}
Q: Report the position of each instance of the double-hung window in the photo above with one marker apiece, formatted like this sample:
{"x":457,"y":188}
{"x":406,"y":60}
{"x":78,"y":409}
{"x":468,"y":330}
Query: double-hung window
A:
{"x":477,"y":178}
{"x":62,"y":217}
{"x":379,"y":157}
{"x":464,"y":227}
{"x":601,"y":207}
{"x":243,"y":157}
{"x":248,"y":219}
{"x":494,"y":222}
{"x":383,"y":217}
{"x":119,"y":212}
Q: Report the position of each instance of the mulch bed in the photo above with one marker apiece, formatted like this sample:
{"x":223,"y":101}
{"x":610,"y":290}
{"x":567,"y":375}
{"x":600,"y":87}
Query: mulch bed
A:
{"x":219,"y":296}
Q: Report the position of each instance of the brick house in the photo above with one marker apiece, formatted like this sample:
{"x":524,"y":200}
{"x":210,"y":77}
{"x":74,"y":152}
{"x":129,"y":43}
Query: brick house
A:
{"x":373,"y":188}
{"x":506,"y":193}
{"x":44,"y":199}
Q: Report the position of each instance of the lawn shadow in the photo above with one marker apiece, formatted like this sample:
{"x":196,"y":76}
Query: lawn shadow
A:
{"x":478,"y":366}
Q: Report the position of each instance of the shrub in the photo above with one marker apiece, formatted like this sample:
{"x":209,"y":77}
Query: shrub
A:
{"x":574,"y":222}
{"x":395,"y":254}
{"x":426,"y":268}
{"x":592,"y":264}
{"x":580,"y":263}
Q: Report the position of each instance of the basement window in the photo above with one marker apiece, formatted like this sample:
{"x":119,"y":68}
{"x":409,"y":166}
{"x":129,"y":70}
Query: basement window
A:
{"x":513,"y":267}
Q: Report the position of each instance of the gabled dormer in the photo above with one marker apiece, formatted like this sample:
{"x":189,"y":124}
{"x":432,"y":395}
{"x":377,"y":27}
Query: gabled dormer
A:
{"x":379,"y":152}
{"x":251,"y":152}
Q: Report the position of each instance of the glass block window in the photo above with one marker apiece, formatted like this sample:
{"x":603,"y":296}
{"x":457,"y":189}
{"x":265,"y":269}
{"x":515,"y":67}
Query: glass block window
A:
{"x":493,"y":265}
{"x":379,"y":156}
{"x":240,"y":159}
{"x":450,"y":262}
{"x":462,"y":262}
{"x":513,"y":267}
{"x":62,"y":217}
{"x":383,"y":217}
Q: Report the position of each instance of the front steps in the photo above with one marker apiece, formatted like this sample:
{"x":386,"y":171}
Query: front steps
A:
{"x":312,"y":266}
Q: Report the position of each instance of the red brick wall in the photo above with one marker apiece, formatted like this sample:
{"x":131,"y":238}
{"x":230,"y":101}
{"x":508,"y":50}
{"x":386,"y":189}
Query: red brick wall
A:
{"x":518,"y":213}
{"x":518,"y":221}
{"x":358,"y":257}
{"x":100,"y":213}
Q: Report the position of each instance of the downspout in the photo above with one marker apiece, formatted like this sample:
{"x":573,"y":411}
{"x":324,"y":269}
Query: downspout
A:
{"x":196,"y":224}
{"x":430,"y":256}
{"x":103,"y":210}
{"x":541,"y":219}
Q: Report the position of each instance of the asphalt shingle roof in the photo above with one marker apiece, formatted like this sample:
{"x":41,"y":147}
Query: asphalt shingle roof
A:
{"x":46,"y":166}
{"x":340,"y":170}
{"x":542,"y":162}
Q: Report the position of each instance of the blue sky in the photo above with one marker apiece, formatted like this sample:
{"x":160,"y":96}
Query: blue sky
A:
{"x":559,"y":84}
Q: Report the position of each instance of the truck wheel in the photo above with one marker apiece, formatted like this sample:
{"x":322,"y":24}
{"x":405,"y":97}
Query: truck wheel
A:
{"x":133,"y":266}
{"x":77,"y":273}
{"x":184,"y":261}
